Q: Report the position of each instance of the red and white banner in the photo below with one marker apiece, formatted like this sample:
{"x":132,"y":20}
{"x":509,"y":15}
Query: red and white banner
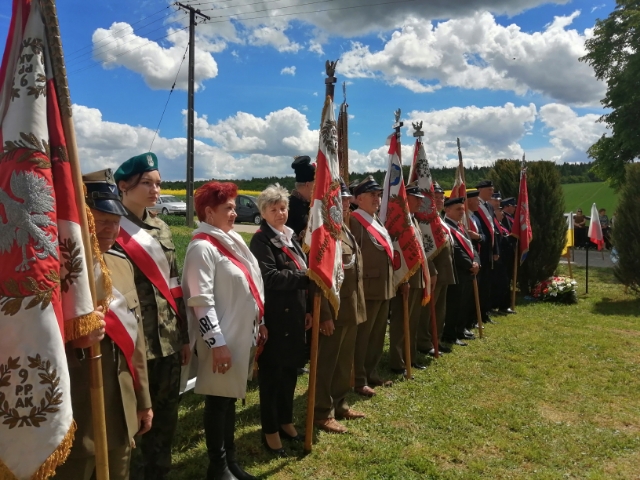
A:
{"x":434,"y":234}
{"x":595,"y":229}
{"x":408,"y":252}
{"x":460,"y":190}
{"x":521,"y":228}
{"x":44,"y":291}
{"x":322,"y":236}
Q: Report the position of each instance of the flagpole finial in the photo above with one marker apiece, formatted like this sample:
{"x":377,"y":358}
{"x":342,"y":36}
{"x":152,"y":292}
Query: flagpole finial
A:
{"x":398,"y":124}
{"x":458,"y":140}
{"x":417,"y":127}
{"x":344,"y":91}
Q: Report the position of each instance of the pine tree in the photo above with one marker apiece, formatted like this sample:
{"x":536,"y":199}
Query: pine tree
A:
{"x":626,"y":231}
{"x":505,"y":176}
{"x":546,"y":208}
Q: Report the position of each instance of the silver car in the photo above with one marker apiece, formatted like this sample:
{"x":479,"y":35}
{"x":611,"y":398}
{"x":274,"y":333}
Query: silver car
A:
{"x":169,"y":205}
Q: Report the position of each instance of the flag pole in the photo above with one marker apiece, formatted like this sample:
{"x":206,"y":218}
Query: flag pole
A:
{"x":407,"y":338}
{"x":516,"y":261}
{"x":434,"y":328}
{"x":476,"y":291}
{"x":330,"y":82}
{"x":586,"y":282}
{"x":95,"y":356}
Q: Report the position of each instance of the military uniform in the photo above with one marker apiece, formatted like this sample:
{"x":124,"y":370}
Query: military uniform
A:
{"x":122,"y":398}
{"x":443,"y":262}
{"x":336,"y":352}
{"x":165,"y":333}
{"x":378,"y":291}
{"x":298,"y":214}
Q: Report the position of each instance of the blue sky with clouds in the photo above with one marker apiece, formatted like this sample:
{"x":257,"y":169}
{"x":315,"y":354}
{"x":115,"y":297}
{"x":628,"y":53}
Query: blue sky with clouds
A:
{"x":503,"y":75}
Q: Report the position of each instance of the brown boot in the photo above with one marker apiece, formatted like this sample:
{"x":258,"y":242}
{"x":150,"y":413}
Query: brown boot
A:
{"x":330,"y":425}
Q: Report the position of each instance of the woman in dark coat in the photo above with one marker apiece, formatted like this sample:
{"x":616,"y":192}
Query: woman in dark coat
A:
{"x":286,"y":316}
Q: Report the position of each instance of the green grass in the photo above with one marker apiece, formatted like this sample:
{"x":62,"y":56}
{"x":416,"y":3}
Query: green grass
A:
{"x":583,"y":195}
{"x":549,"y":393}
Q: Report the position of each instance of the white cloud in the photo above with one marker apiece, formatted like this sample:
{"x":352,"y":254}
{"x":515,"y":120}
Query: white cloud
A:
{"x":288,"y":71}
{"x":158,"y":65}
{"x":104,"y":144}
{"x":274,"y":36}
{"x":281,"y":133}
{"x":476,"y":53}
{"x":316,"y":47}
{"x":570,"y":133}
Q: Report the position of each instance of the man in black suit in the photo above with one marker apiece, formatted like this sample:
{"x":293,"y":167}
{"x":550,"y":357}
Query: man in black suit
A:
{"x":489,"y":247}
{"x":466,"y":265}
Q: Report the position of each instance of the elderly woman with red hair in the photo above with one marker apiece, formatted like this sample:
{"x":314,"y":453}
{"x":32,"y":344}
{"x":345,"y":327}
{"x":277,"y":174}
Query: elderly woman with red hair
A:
{"x":223,"y":291}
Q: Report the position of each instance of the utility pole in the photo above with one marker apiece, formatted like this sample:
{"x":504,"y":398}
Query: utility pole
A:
{"x":190,"y":122}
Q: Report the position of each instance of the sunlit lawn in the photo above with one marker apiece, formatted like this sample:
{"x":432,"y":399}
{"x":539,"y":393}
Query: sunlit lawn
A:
{"x":553,"y":392}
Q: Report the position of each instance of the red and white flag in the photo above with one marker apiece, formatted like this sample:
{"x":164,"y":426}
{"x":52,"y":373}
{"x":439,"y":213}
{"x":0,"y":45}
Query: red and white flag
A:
{"x":408,"y":252}
{"x":322,"y":236}
{"x":595,"y":229}
{"x":460,"y":190}
{"x":521,"y":228}
{"x":44,"y":290}
{"x":434,"y":234}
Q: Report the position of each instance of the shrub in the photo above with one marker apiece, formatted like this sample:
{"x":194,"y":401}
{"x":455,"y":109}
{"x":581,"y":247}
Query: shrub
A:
{"x":626,"y":231}
{"x":505,"y":176}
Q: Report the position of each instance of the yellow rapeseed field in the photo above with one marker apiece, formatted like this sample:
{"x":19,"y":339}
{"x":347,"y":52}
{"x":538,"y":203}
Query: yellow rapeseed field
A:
{"x":183,"y":192}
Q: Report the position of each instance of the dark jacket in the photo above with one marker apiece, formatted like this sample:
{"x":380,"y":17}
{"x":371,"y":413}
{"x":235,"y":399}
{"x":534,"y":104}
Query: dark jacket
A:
{"x":285,"y":298}
{"x":298,"y":214}
{"x":462,"y":262}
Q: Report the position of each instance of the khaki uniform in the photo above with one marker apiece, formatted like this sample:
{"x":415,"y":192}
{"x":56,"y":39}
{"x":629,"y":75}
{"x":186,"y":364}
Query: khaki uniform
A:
{"x":443,"y":263}
{"x":377,"y":278}
{"x":122,"y":398}
{"x":165,"y":335}
{"x":336,"y":352}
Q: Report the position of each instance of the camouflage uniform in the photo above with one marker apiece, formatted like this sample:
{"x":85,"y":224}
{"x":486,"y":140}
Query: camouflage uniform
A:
{"x":165,"y":335}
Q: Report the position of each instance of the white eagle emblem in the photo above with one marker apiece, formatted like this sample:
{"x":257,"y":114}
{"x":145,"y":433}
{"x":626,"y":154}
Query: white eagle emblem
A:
{"x":27,"y":219}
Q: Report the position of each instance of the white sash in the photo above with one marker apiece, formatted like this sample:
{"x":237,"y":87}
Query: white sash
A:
{"x":375,"y":223}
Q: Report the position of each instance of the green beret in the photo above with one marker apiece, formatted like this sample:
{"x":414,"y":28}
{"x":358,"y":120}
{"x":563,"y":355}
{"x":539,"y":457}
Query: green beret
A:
{"x":147,"y":162}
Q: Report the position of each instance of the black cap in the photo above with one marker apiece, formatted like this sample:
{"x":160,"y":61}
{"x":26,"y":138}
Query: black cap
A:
{"x":353,"y":185}
{"x":102,"y":192}
{"x":344,"y":190}
{"x":453,"y":201}
{"x":508,"y":202}
{"x":496,"y":196}
{"x":437,"y":188}
{"x":485,"y":184}
{"x":472,"y":193}
{"x":368,"y":184}
{"x":414,"y":190}
{"x":305,"y":170}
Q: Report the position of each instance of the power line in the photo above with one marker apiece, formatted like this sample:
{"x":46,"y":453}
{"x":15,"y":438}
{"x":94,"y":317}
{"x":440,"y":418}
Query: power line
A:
{"x":169,"y":97}
{"x":265,"y":9}
{"x":131,"y":24}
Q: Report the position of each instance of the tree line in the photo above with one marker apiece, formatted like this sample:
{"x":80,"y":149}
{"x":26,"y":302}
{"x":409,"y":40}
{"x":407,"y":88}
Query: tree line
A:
{"x":568,"y":172}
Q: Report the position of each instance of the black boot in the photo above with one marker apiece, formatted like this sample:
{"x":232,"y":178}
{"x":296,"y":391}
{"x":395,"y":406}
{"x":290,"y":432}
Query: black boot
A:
{"x":229,"y":444}
{"x":235,"y":468}
{"x":216,"y":410}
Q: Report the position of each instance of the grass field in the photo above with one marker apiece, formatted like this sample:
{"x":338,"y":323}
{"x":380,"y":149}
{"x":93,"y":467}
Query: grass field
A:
{"x":583,"y":195}
{"x":549,"y":393}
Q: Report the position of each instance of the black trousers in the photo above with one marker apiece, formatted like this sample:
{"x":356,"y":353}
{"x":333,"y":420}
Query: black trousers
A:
{"x":500,"y":285}
{"x":484,"y":287}
{"x":459,"y":297}
{"x":219,"y":431}
{"x":277,"y":387}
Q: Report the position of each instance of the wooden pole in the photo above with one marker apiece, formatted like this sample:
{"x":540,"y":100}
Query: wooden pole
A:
{"x":311,"y":392}
{"x":586,"y":281}
{"x":516,"y":261}
{"x":95,"y":357}
{"x":434,"y":328}
{"x":476,"y":294}
{"x":407,"y":335}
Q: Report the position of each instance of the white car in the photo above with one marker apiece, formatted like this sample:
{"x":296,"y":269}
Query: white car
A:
{"x":169,"y":205}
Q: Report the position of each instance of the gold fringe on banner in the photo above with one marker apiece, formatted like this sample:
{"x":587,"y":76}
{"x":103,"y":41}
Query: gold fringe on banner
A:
{"x":48,"y":468}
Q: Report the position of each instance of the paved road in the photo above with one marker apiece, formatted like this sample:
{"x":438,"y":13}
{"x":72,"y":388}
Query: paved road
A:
{"x":595,"y":258}
{"x":249,"y":228}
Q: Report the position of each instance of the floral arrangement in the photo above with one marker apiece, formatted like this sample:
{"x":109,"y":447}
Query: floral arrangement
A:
{"x":556,"y":289}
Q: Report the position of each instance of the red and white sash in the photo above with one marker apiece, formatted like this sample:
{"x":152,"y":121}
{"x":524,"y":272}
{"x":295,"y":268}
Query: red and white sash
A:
{"x":462,"y":240}
{"x":483,"y":211}
{"x":375,"y":230}
{"x":255,"y":292}
{"x":148,"y":255}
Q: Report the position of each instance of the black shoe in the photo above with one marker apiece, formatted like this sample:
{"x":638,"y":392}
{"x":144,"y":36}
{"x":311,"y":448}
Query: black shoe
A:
{"x":278,"y":452}
{"x":497,"y":312}
{"x":467,"y":335}
{"x":399,"y":371}
{"x":507,"y":311}
{"x":235,"y":469}
{"x":442,"y":348}
{"x":460,"y":343}
{"x":296,"y":438}
{"x":424,"y":351}
{"x":418,"y":366}
{"x":489,"y":320}
{"x":303,"y":371}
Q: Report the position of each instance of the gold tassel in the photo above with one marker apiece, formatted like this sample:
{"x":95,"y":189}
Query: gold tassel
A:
{"x":333,"y":301}
{"x":48,"y":468}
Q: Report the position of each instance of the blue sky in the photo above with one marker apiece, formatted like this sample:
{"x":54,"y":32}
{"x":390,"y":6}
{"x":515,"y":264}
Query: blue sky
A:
{"x":502,"y":75}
